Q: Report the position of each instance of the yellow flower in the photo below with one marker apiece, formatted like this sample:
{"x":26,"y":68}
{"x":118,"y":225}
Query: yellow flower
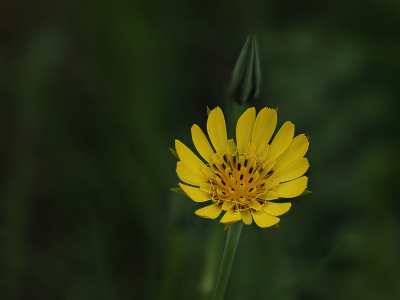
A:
{"x":244,"y":178}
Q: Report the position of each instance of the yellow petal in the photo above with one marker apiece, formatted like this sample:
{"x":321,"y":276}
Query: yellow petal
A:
{"x":231,"y":216}
{"x":246,"y":217}
{"x":264,"y":126}
{"x":195,"y":193}
{"x":255,"y":205}
{"x":264,"y":219}
{"x":209,"y":212}
{"x":189,"y":176}
{"x":216,"y":129}
{"x":267,"y":166}
{"x":293,"y":170}
{"x":269,"y":196}
{"x":262,"y":150}
{"x":297,"y":149}
{"x":277,"y":209}
{"x":251,"y":149}
{"x":231,"y":146}
{"x":281,"y":141}
{"x":244,"y":128}
{"x":201,"y":143}
{"x":206,"y":187}
{"x":292,"y":188}
{"x":227,"y":205}
{"x":188,"y":157}
{"x":208,"y":172}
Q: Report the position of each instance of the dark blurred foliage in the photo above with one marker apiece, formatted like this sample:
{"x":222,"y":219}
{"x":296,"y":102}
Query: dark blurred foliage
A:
{"x":92,"y":94}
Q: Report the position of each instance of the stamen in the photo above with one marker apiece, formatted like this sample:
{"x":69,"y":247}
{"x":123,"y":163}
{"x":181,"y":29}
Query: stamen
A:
{"x":251,"y":170}
{"x":239,"y":167}
{"x":251,"y":179}
{"x":223,"y":182}
{"x":230,"y":160}
{"x":245,"y":162}
{"x":241,"y":177}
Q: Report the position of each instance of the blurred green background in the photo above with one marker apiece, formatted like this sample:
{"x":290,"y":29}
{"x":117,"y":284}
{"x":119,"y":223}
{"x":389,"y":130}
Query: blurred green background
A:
{"x":92,"y":95}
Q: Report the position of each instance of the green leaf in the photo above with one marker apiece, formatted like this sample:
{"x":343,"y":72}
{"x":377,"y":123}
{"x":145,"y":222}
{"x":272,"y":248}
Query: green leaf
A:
{"x":208,"y":111}
{"x":178,"y":190}
{"x":174,"y":153}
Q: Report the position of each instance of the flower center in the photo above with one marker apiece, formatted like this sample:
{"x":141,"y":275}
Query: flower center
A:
{"x":241,"y":181}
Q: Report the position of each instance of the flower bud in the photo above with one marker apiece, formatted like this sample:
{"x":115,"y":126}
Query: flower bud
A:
{"x":246,"y":76}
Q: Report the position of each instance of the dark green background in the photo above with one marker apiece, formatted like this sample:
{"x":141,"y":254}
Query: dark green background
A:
{"x":92,"y":95}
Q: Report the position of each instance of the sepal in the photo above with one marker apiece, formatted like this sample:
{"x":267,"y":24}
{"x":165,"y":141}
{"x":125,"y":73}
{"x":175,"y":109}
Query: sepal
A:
{"x":174,"y":153}
{"x":179,"y":191}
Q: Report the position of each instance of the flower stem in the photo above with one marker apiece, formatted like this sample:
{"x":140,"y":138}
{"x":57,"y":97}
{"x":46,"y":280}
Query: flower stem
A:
{"x":227,"y":259}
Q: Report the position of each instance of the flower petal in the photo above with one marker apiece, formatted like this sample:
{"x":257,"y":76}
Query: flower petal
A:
{"x":201,"y":143}
{"x":208,"y":172}
{"x":292,"y":188}
{"x":195,"y":193}
{"x":267,"y":166}
{"x":264,"y":219}
{"x":216,"y":129}
{"x":207,"y":187}
{"x":188,"y":157}
{"x":190,"y":176}
{"x":244,"y":128}
{"x":255,"y":205}
{"x":231,"y":216}
{"x":209,"y":212}
{"x":269,"y":195}
{"x":264,"y":126}
{"x":297,"y":148}
{"x":231,"y":146}
{"x":277,"y":209}
{"x":262,"y":150}
{"x":227,"y":205}
{"x":246,"y":217}
{"x":293,"y":170}
{"x":281,"y":141}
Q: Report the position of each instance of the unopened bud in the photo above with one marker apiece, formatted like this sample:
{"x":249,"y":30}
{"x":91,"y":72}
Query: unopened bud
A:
{"x":246,"y":76}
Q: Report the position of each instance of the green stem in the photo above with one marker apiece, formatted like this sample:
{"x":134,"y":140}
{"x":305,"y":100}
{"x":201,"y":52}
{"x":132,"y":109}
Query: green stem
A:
{"x":227,"y":259}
